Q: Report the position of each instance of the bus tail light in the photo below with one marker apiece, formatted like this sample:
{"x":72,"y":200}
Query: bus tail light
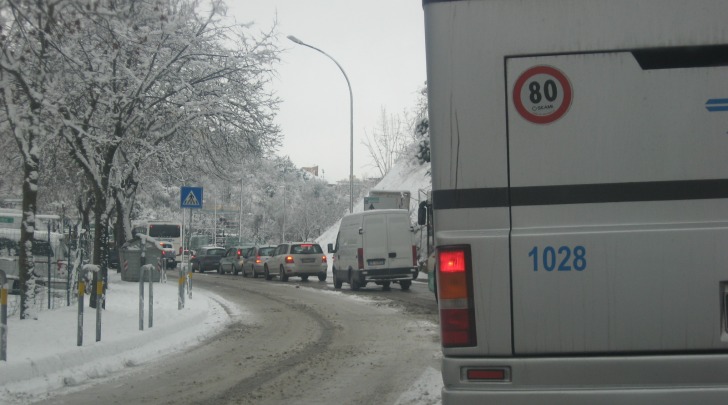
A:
{"x":454,"y":288}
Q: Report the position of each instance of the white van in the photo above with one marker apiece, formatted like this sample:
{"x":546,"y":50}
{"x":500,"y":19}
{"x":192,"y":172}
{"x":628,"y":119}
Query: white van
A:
{"x":375,"y":246}
{"x":580,"y":195}
{"x":57,"y":250}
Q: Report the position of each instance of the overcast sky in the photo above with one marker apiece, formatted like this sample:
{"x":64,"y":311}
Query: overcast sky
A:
{"x":380,"y":45}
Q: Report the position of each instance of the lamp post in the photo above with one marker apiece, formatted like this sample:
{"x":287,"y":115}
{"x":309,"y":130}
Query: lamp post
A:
{"x":351,"y":121}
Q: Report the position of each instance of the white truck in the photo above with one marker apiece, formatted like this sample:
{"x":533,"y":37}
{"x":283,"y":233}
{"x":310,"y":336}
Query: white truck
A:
{"x":580,"y":195}
{"x":387,"y":199}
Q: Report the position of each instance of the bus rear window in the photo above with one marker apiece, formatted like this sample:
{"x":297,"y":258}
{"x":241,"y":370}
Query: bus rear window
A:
{"x":164,"y":231}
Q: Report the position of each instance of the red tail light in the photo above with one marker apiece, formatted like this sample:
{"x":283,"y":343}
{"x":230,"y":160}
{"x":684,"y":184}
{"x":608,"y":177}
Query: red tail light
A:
{"x":360,"y":257}
{"x":414,"y":256}
{"x":454,"y":288}
{"x":323,"y":259}
{"x":257,"y":259}
{"x":289,"y":259}
{"x":180,"y":251}
{"x":239,"y":252}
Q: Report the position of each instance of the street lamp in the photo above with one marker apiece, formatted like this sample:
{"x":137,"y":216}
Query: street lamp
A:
{"x":351,"y":121}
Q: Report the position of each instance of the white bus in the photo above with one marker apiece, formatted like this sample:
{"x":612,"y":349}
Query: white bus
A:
{"x":162,"y":231}
{"x":580,"y":195}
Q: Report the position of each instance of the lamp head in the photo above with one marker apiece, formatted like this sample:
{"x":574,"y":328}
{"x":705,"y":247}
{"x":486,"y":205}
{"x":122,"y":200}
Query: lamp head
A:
{"x":296,"y":40}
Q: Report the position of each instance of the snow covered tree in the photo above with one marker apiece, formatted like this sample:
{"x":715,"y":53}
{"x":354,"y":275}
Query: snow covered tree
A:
{"x":127,"y":85}
{"x":388,"y":141}
{"x":28,"y":63}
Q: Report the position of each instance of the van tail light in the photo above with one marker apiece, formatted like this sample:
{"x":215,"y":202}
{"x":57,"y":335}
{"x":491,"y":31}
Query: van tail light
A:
{"x":289,"y":259}
{"x":323,"y":259}
{"x":360,"y":258}
{"x":454,"y":288}
{"x":414,"y":256}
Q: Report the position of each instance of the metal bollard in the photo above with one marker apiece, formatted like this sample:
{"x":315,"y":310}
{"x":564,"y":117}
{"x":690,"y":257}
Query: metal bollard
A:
{"x":146,"y":269}
{"x":181,"y":297}
{"x":3,"y":317}
{"x":81,"y":291}
{"x":189,"y":283}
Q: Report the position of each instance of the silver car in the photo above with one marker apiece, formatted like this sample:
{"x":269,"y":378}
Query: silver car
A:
{"x":256,"y":260}
{"x":297,"y":259}
{"x":232,"y":261}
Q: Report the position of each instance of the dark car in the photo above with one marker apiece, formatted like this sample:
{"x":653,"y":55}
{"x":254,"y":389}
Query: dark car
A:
{"x":207,"y":258}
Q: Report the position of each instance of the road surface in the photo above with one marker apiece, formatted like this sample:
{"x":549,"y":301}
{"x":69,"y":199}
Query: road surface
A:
{"x":297,"y":343}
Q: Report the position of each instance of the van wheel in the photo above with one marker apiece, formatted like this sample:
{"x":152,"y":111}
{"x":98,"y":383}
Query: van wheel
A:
{"x":405,"y":284}
{"x":283,"y":276}
{"x":353,"y":283}
{"x":267,"y":273}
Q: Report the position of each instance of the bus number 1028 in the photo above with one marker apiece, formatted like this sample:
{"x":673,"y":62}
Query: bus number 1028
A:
{"x":563,"y":258}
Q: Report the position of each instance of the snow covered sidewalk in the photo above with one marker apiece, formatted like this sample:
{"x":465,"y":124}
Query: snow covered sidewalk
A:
{"x":43,"y":355}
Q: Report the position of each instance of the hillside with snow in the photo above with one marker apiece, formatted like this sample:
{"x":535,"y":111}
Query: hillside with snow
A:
{"x":406,"y":174}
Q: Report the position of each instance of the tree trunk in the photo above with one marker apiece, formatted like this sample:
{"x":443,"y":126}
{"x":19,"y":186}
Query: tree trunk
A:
{"x":26,"y":266}
{"x":101,"y":242}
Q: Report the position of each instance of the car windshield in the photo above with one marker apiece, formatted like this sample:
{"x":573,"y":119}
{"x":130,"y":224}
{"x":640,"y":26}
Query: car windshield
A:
{"x":216,"y":252}
{"x":266,"y":251}
{"x":306,"y":248}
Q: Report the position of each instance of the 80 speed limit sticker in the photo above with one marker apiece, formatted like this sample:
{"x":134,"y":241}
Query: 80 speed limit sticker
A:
{"x":542,"y":94}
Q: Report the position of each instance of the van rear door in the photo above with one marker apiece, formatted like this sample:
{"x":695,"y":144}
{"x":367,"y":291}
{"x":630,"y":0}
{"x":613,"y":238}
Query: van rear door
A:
{"x":619,"y":201}
{"x":387,"y":240}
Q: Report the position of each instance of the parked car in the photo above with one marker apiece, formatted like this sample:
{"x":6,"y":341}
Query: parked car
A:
{"x":168,"y":256}
{"x":256,"y":260}
{"x":296,"y":259}
{"x":233,"y":260}
{"x":207,"y":258}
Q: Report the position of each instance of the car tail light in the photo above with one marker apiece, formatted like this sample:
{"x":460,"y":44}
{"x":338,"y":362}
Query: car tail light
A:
{"x":180,"y":251}
{"x":257,"y":259}
{"x":414,"y":256}
{"x":454,"y":288}
{"x":323,"y":259}
{"x":289,"y":259}
{"x":239,"y":253}
{"x":360,"y":257}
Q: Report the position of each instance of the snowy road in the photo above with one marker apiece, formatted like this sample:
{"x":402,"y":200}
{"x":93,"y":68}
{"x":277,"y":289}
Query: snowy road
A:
{"x":295,"y":343}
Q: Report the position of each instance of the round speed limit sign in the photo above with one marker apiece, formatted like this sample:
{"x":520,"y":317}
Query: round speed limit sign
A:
{"x":542,"y":94}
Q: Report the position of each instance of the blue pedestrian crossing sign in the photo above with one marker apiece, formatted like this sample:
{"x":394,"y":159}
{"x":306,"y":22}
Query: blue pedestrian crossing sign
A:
{"x":190,"y":197}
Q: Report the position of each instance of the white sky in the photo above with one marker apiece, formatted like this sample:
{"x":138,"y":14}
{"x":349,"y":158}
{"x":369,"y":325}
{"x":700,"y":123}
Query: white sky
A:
{"x":380,"y":45}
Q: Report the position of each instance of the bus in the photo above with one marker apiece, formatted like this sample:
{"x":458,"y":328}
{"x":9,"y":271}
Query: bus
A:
{"x":12,"y":218}
{"x":580,"y":196}
{"x":162,"y":231}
